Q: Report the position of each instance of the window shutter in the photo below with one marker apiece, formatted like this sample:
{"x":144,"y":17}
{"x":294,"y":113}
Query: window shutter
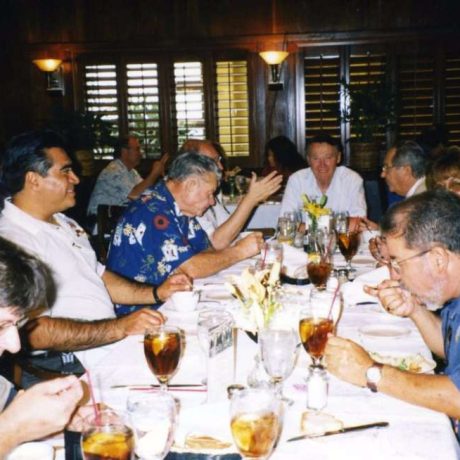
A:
{"x":101,"y":97}
{"x":322,"y":95}
{"x":366,"y":69}
{"x":452,"y":98}
{"x":232,"y":113}
{"x":416,"y":82}
{"x":143,"y":106}
{"x":189,"y":113}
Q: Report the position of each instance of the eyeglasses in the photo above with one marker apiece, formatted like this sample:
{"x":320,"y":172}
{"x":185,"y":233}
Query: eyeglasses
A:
{"x":396,"y":264}
{"x":385,"y":168}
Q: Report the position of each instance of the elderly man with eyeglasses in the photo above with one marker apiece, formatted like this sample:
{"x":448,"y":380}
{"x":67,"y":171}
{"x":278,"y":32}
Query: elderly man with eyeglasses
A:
{"x":423,"y":239}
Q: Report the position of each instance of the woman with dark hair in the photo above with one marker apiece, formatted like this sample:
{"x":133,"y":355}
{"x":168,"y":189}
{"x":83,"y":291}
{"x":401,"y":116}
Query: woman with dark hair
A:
{"x":281,"y":155}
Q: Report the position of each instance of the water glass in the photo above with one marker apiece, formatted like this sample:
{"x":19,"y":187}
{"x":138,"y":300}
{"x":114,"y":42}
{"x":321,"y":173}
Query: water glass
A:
{"x":286,"y":230}
{"x":341,"y":222}
{"x":153,"y":419}
{"x":278,"y":349}
{"x":271,"y":252}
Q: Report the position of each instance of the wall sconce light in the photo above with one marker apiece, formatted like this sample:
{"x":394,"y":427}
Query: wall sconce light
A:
{"x":274,"y":59}
{"x":54,"y":74}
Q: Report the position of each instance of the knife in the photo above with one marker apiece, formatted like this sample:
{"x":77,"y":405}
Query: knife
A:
{"x":342,"y":430}
{"x":178,"y":385}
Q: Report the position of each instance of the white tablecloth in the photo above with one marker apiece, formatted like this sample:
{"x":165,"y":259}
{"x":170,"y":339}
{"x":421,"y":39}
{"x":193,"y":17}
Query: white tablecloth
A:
{"x":265,"y":216}
{"x":414,"y":432}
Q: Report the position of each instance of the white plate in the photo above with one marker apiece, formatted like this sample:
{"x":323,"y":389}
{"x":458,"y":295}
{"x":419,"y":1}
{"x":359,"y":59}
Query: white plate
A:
{"x":414,"y":363}
{"x":379,"y":331}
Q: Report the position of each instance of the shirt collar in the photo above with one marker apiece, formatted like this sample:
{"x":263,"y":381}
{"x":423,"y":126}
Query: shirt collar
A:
{"x":414,"y":187}
{"x":23,"y":219}
{"x":163,"y":190}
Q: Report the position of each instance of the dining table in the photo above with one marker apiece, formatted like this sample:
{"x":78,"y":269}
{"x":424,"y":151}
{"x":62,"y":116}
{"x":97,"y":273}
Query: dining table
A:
{"x":413,"y":432}
{"x":265,"y":214}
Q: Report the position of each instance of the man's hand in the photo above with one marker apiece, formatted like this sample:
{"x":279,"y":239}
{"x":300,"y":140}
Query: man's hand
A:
{"x":251,"y":244}
{"x":379,"y":250}
{"x":41,"y":410}
{"x":158,"y":166}
{"x":260,"y":190}
{"x":139,"y":321}
{"x":347,"y":360}
{"x":177,"y":282}
{"x":366,"y":224}
{"x":395,"y":299}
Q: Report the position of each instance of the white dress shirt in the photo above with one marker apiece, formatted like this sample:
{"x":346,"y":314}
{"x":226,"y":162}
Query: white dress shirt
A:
{"x":345,"y":192}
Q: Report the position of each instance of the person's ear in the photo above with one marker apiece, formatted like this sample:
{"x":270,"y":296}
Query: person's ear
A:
{"x":32,"y":180}
{"x":339,"y":158}
{"x":190,"y":184}
{"x":440,"y":258}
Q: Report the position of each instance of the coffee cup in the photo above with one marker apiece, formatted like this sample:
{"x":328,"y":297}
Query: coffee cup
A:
{"x":185,"y":301}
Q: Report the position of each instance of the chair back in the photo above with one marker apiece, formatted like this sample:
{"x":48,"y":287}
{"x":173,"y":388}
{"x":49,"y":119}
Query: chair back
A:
{"x":106,"y":221}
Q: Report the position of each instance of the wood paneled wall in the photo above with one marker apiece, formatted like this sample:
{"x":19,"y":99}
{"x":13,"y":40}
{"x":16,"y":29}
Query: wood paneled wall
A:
{"x":34,"y":28}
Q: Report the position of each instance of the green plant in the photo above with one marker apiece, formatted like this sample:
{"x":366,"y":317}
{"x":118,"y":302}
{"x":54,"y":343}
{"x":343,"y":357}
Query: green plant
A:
{"x":372,"y":108}
{"x":84,"y":130}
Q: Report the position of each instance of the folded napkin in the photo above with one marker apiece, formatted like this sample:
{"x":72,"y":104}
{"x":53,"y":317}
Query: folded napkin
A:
{"x":293,"y":259}
{"x":353,"y":292}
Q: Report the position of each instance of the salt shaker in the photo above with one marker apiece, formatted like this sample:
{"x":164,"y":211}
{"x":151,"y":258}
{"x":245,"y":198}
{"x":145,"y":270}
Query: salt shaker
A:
{"x":317,"y":388}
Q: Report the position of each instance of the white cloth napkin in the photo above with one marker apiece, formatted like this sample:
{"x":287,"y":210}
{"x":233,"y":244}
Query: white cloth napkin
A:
{"x":353,"y":292}
{"x":293,"y":259}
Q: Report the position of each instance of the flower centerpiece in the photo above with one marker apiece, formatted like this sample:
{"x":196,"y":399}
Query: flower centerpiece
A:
{"x":315,"y":209}
{"x":257,"y":293}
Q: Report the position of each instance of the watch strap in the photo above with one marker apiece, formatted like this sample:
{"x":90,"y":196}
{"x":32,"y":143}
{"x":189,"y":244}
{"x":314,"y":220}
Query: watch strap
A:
{"x":371,"y":384}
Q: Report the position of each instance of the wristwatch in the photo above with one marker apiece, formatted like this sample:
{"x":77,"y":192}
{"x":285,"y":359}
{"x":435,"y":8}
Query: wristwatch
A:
{"x":373,"y":376}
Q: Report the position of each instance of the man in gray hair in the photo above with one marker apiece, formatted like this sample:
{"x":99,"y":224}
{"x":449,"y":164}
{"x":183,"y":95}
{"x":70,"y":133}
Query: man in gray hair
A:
{"x":423,"y":239}
{"x":404,"y":169}
{"x":159,"y":233}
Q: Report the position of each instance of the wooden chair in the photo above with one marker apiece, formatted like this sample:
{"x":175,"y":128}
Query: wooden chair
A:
{"x":106,"y":221}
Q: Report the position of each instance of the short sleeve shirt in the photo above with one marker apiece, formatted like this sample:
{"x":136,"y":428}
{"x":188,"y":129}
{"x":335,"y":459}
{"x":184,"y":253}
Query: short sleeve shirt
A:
{"x":113,"y":186}
{"x":152,"y":239}
{"x":450,"y":316}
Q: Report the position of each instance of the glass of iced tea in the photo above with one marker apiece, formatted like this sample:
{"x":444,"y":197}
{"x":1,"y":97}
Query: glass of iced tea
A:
{"x":314,"y":328}
{"x":319,"y":271}
{"x":348,"y":244}
{"x":162,"y":348}
{"x":107,"y":436}
{"x":255,"y":422}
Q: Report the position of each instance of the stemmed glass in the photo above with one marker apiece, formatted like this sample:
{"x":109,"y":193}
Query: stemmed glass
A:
{"x":255,"y":422}
{"x":348,"y":244}
{"x":162,"y":348}
{"x":279,"y":352}
{"x":153,"y":419}
{"x":317,"y":321}
{"x":242,"y":184}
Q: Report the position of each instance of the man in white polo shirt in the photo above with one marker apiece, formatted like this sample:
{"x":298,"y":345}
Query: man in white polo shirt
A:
{"x":342,"y":186}
{"x":38,"y":172}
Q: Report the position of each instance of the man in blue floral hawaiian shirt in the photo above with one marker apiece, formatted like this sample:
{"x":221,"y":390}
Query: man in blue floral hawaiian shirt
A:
{"x":159,"y":234}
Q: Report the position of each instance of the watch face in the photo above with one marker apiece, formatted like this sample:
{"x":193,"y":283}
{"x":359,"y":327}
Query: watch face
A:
{"x":373,"y":374}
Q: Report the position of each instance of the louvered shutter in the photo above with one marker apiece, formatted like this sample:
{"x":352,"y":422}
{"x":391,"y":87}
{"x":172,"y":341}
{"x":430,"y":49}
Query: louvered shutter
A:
{"x":232,"y":107}
{"x":452,"y":98}
{"x":143,"y":106}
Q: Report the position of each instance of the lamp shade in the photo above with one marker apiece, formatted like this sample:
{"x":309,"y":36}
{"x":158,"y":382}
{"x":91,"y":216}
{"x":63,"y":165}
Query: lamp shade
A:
{"x":274,"y":57}
{"x":47,"y":65}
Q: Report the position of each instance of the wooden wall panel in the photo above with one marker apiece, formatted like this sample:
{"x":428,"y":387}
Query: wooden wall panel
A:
{"x":33,"y":28}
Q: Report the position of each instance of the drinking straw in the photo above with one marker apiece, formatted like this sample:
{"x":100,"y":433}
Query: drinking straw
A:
{"x":93,"y":400}
{"x":265,"y":255}
{"x":329,"y":315}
